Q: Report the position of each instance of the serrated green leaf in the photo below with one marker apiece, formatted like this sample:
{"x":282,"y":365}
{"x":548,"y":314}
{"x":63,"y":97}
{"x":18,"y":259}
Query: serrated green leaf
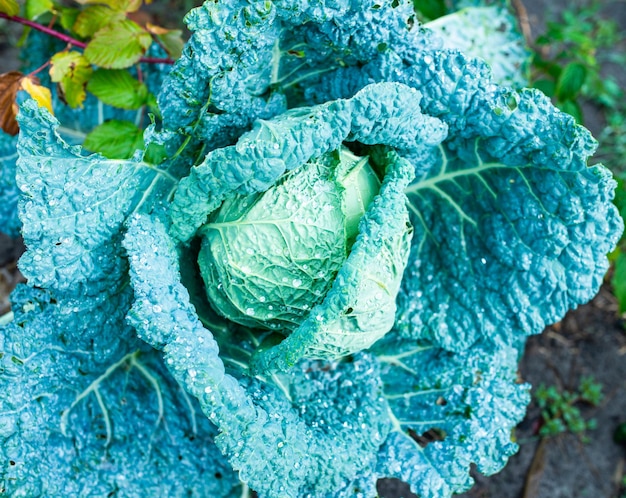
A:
{"x":115,"y":139}
{"x":71,"y":70}
{"x":35,"y":8}
{"x":94,"y":18}
{"x":118,"y":45}
{"x":9,"y":7}
{"x":67,"y":18}
{"x":430,"y":9}
{"x":117,"y":88}
{"x":570,"y":81}
{"x":155,"y":154}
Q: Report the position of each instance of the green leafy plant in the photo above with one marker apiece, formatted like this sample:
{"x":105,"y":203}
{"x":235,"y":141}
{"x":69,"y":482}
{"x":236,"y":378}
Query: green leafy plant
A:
{"x":567,"y":65}
{"x":101,"y":53}
{"x":613,"y":152}
{"x":560,"y":411}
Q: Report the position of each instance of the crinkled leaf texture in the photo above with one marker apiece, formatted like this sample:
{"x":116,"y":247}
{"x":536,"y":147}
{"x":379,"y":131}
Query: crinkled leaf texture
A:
{"x":88,"y":412}
{"x":508,"y":184}
{"x":73,"y":207}
{"x":447,"y":411}
{"x":510,"y":223}
{"x":244,"y":58}
{"x":9,"y":222}
{"x":294,"y":434}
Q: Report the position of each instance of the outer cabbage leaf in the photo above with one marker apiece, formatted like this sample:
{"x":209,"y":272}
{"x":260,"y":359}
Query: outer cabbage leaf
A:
{"x":244,"y":58}
{"x":9,"y":222}
{"x":87,"y":412}
{"x":219,"y":85}
{"x":510,"y":224}
{"x":285,"y":437}
{"x":489,"y":33}
{"x":448,"y":410}
{"x":73,"y":207}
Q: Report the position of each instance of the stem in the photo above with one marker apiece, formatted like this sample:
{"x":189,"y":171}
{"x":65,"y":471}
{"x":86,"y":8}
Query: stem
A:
{"x":39,"y":69}
{"x":44,"y":29}
{"x":72,"y":41}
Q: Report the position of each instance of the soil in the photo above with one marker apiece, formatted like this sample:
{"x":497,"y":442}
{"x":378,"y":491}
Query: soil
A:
{"x":590,"y":341}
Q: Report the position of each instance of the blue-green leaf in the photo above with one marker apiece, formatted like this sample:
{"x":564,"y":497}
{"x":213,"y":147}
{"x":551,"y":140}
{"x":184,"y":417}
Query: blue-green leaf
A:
{"x":284,"y":434}
{"x":88,"y":412}
{"x":448,"y":411}
{"x":512,"y":227}
{"x":73,"y":207}
{"x":9,"y":222}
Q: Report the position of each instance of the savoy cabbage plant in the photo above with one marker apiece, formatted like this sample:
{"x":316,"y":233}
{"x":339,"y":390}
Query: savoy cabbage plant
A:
{"x":327,"y":280}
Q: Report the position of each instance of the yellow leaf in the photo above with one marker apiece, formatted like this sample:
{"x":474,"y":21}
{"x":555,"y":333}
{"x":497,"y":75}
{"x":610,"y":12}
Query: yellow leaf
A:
{"x":9,"y":86}
{"x":9,"y":7}
{"x":41,"y":94}
{"x":71,"y":71}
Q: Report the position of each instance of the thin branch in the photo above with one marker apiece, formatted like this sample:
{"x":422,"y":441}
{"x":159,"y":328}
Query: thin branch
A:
{"x":72,"y":41}
{"x":40,"y":68}
{"x":44,"y":29}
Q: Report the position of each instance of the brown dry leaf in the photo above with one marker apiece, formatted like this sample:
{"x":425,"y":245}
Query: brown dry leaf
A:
{"x":9,"y":86}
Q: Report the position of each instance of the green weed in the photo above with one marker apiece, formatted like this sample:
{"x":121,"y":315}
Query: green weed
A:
{"x":560,"y":409}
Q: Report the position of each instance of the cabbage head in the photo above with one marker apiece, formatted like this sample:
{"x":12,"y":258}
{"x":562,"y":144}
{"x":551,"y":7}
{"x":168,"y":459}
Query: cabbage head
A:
{"x":268,"y":258}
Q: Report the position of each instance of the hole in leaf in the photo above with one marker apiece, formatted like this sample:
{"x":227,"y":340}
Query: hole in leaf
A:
{"x":430,"y":436}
